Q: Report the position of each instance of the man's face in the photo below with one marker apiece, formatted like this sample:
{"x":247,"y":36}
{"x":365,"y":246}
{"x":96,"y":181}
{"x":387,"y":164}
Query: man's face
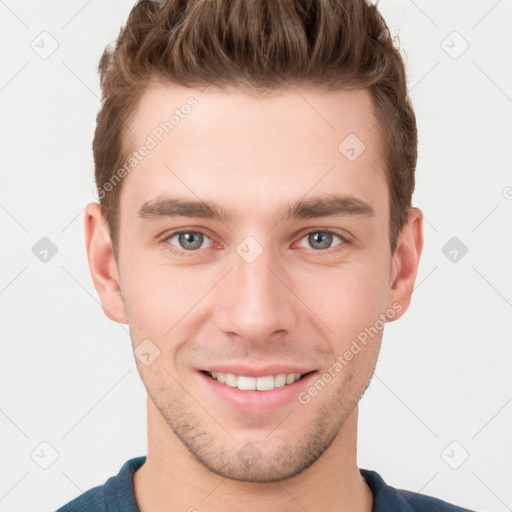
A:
{"x":257,"y":293}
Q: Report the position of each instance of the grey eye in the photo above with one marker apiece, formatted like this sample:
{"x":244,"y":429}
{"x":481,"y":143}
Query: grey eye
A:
{"x":320,"y":240}
{"x":189,"y":240}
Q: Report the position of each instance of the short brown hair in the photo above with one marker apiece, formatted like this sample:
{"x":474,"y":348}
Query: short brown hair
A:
{"x":256,"y":46}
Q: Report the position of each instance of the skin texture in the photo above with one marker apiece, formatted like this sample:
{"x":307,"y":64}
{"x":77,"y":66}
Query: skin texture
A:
{"x":294,"y":304}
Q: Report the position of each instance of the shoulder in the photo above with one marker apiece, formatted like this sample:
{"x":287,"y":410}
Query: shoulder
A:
{"x":391,"y":499}
{"x":92,"y":500}
{"x":115,"y":495}
{"x":423,"y":503}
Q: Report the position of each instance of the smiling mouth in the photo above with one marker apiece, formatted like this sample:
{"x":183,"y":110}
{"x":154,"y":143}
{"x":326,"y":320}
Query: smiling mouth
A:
{"x":264,"y":383}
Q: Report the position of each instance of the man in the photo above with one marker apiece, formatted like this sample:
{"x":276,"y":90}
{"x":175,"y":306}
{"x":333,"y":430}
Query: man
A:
{"x":255,"y":168}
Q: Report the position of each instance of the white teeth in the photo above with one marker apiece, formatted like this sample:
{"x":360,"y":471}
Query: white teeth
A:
{"x":246,"y":383}
{"x":263,"y":383}
{"x":266,"y":383}
{"x":280,"y":380}
{"x":231,"y":380}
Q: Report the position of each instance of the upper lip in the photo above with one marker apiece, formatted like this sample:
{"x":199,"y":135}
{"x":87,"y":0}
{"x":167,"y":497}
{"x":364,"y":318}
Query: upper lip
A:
{"x":261,"y":371}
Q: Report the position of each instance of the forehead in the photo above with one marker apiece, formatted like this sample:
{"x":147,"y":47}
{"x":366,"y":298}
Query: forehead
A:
{"x":255,"y":151}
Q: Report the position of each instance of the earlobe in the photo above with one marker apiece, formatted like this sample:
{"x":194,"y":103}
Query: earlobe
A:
{"x":102,"y":264}
{"x":405,"y":263}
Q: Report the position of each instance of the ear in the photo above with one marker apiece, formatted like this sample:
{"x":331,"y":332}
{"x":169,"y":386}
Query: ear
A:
{"x":102,"y":263}
{"x":404,"y":266}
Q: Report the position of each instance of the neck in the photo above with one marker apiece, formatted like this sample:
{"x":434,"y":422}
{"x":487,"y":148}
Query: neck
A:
{"x":172,"y":479}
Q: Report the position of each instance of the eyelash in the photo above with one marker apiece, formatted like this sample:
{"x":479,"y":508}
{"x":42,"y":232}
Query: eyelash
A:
{"x":174,"y":250}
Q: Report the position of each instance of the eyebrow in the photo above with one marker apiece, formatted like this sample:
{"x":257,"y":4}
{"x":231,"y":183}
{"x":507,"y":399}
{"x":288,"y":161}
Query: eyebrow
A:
{"x":327,"y":205}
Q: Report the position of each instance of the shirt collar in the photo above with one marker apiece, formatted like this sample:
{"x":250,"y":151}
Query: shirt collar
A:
{"x":120,"y":495}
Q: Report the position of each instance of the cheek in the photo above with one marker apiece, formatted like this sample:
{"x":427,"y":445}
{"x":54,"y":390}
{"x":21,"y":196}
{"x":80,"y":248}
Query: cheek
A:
{"x":150,"y":298}
{"x":346,"y":299}
{"x":161,"y":296}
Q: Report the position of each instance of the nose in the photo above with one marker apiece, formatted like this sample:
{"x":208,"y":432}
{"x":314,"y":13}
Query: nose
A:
{"x":257,"y":300}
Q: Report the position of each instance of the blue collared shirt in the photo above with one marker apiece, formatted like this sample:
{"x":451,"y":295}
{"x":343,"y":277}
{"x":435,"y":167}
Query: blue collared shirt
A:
{"x":116,"y":495}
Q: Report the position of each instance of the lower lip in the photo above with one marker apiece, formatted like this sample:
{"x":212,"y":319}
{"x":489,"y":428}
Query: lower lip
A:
{"x":257,"y":401}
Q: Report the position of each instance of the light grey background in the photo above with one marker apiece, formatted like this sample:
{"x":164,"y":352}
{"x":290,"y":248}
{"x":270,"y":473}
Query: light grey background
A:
{"x":442,"y":389}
